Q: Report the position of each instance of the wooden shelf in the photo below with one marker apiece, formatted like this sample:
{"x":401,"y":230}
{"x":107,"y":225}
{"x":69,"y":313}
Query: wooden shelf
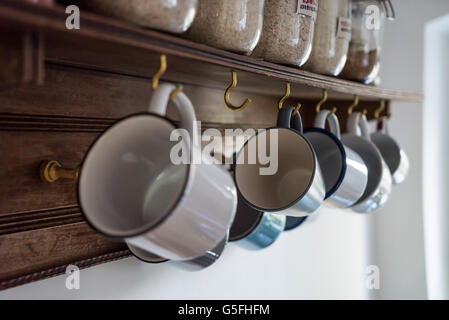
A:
{"x":106,"y":44}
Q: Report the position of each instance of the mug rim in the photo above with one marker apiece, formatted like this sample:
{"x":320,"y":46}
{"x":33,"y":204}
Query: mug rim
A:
{"x":297,"y":199}
{"x":341,"y":147}
{"x":171,"y":209}
{"x":142,"y":259}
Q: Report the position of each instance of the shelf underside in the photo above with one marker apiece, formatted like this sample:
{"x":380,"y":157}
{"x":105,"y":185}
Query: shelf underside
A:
{"x":106,"y":44}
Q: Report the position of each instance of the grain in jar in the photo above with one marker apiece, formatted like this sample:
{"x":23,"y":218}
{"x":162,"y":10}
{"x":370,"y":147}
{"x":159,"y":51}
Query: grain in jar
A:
{"x":233,"y":25}
{"x":331,"y":37}
{"x":174,"y":16}
{"x":287,"y":33}
{"x":363,"y":61}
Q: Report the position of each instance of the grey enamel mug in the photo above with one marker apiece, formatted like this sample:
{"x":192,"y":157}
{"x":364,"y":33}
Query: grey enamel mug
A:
{"x":253,"y":229}
{"x":392,"y":153}
{"x":379,"y":184}
{"x":344,"y":171}
{"x":295,"y":186}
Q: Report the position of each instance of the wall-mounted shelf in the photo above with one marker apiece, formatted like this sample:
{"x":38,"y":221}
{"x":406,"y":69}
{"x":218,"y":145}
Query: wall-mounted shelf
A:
{"x":60,"y":89}
{"x":107,"y":44}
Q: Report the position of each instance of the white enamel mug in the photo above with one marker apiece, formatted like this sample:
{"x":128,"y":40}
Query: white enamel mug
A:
{"x":130,"y":189}
{"x":344,"y":172}
{"x":296,"y":187}
{"x":392,"y":153}
{"x":379,"y":184}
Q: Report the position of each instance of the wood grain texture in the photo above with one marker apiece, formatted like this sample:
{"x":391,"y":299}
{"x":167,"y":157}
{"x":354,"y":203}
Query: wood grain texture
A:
{"x":39,"y":254}
{"x":22,"y":57}
{"x":195,"y":57}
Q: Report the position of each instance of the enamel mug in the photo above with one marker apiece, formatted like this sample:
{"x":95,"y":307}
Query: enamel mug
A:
{"x":196,"y":264}
{"x":291,"y":184}
{"x":253,"y":229}
{"x":292,"y":223}
{"x":344,"y":172}
{"x":131,"y":189}
{"x":379,"y":184}
{"x":392,"y":153}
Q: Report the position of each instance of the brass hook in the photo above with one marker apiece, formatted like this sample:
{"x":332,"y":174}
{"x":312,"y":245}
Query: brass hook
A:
{"x":380,"y":110}
{"x":175,"y":92}
{"x":298,"y":106}
{"x":160,"y":72}
{"x":364,"y":113}
{"x":51,"y":170}
{"x":354,"y":104}
{"x":331,"y":113}
{"x":322,"y":101}
{"x":286,"y":95}
{"x":228,"y":92}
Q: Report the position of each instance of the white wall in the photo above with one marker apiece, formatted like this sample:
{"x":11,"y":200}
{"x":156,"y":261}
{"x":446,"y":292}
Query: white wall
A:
{"x":436,"y":151}
{"x":397,"y":230}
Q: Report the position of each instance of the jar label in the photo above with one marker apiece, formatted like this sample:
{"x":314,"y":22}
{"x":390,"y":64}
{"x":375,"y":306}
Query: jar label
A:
{"x":307,"y":8}
{"x":344,"y":28}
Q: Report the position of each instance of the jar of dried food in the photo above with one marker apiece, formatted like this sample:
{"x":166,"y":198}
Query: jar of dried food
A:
{"x":233,"y":25}
{"x":368,"y":21}
{"x":331,"y":37}
{"x":167,"y":15}
{"x":287,"y":31}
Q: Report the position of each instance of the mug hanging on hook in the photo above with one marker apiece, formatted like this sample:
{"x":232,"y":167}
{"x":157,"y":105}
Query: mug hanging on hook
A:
{"x":394,"y":156}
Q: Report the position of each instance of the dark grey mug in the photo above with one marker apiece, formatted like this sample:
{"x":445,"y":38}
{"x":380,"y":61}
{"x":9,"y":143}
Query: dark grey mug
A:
{"x":392,"y":153}
{"x":379,"y":184}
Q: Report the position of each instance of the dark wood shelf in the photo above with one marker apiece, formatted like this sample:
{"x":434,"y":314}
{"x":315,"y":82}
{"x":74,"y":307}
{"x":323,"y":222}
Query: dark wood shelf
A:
{"x":106,"y":44}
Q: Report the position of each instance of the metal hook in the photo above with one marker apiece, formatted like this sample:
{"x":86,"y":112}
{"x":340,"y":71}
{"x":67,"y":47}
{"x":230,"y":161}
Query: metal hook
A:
{"x":354,"y":104}
{"x":322,"y":101}
{"x":331,"y":113}
{"x":380,"y":110}
{"x":160,"y":72}
{"x":228,"y":92}
{"x":298,"y":106}
{"x":175,"y":92}
{"x":363,"y":113}
{"x":286,"y":95}
{"x":51,"y":170}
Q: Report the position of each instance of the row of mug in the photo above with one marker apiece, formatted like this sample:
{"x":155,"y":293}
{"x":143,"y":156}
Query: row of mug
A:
{"x":355,"y":170}
{"x":130,"y":190}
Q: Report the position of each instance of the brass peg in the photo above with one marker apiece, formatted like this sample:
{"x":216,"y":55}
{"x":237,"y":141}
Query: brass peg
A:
{"x":51,"y":170}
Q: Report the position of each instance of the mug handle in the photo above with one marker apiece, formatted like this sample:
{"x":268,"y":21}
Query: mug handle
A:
{"x":284,"y":117}
{"x":358,"y":120}
{"x":159,"y":102}
{"x":334,"y":125}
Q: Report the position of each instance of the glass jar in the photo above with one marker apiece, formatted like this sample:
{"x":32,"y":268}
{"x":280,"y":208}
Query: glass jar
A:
{"x":231,"y":25}
{"x":331,"y":37}
{"x":368,"y":22}
{"x":287,"y":32}
{"x":167,"y":15}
